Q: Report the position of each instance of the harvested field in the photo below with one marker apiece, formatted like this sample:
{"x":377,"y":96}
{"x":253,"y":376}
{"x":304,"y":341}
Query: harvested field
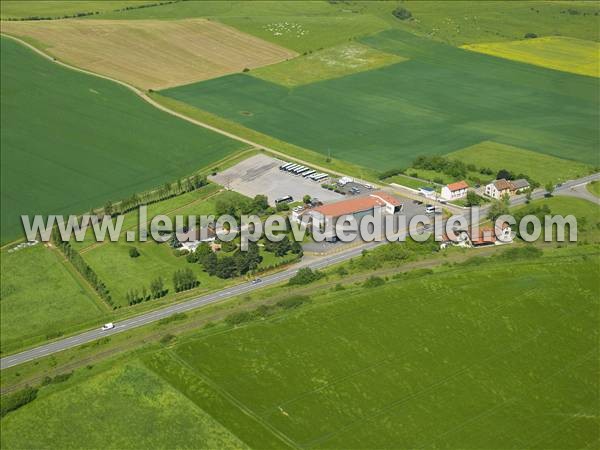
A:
{"x":151,"y":54}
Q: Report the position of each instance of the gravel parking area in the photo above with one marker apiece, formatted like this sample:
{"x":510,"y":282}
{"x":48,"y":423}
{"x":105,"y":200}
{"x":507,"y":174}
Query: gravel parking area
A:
{"x":260,"y":174}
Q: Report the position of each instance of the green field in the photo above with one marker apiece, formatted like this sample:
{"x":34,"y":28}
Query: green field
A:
{"x":420,"y":362}
{"x":125,"y":407}
{"x":41,"y":296}
{"x":57,"y":8}
{"x":464,"y":22}
{"x":586,"y":213}
{"x":329,"y":23}
{"x":334,"y":62}
{"x":540,"y":167}
{"x":441,"y":100}
{"x":71,"y":141}
{"x":594,"y":188}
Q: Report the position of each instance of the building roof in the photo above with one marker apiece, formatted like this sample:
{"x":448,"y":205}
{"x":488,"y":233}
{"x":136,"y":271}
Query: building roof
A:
{"x":521,"y":183}
{"x":486,"y":236}
{"x":355,"y":205}
{"x":457,"y":186}
{"x":503,"y":184}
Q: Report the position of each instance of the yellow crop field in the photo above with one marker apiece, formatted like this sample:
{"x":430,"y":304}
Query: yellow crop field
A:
{"x":150,"y":54}
{"x":554,"y":52}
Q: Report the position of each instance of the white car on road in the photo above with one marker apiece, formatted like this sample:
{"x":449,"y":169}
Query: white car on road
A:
{"x":108,"y":326}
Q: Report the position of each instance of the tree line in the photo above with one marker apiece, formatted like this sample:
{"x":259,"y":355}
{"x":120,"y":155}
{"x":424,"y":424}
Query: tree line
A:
{"x":166,"y":191}
{"x":82,"y":267}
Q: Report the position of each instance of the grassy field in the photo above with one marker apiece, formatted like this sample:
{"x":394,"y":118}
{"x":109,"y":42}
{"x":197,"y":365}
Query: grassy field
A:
{"x":303,"y":25}
{"x":151,"y":54}
{"x":71,"y":141}
{"x":57,"y":8}
{"x":125,"y":407}
{"x":404,"y":365}
{"x":594,"y":188}
{"x":559,"y":53}
{"x":441,"y":100}
{"x":155,"y":259}
{"x":586,"y":213}
{"x":464,"y":22}
{"x":540,"y":167}
{"x":326,"y":64}
{"x":41,"y":296}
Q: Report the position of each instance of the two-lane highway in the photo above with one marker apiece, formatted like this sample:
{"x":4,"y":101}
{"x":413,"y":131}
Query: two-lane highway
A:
{"x":153,"y":316}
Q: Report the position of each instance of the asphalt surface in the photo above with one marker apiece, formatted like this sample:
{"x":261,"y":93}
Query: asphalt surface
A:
{"x":153,"y":316}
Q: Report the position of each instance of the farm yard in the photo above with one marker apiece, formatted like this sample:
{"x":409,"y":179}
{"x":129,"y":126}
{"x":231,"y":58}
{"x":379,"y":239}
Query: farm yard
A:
{"x":413,"y":359}
{"x":440,"y":100}
{"x":151,"y":54}
{"x":72,"y":141}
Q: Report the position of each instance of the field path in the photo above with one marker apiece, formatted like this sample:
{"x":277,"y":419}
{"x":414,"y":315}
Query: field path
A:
{"x":157,"y":105}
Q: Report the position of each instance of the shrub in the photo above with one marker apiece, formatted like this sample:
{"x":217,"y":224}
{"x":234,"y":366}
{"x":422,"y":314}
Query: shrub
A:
{"x":293,"y":302}
{"x":238,"y":318}
{"x":14,"y":401}
{"x":527,"y":252}
{"x":530,"y":35}
{"x":373,"y":281}
{"x":402,"y":13}
{"x":305,"y":275}
{"x":133,"y":252}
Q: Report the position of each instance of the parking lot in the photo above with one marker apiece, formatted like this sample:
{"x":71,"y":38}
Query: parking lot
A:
{"x":260,"y":174}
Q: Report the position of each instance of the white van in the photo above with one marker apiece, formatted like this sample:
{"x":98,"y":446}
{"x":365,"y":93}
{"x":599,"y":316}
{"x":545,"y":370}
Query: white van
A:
{"x":108,"y":326}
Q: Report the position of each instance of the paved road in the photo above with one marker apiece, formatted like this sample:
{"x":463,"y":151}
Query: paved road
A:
{"x":153,"y":316}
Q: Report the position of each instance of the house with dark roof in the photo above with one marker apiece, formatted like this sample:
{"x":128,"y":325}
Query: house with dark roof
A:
{"x":499,"y":188}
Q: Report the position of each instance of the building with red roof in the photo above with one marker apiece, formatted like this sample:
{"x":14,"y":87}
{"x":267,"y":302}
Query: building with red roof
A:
{"x":456,"y":190}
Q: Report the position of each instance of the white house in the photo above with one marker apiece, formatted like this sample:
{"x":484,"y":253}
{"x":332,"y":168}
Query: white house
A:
{"x":454,"y":191}
{"x":498,"y":188}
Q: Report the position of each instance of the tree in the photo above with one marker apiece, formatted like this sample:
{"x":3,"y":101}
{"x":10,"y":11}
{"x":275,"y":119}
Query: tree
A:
{"x":305,"y":275}
{"x":210,"y":263}
{"x":133,"y":252}
{"x":157,"y":288}
{"x":528,"y":196}
{"x":497,"y":209}
{"x":402,"y":13}
{"x":549,"y":189}
{"x":296,"y":248}
{"x":108,"y":208}
{"x":473,"y":199}
{"x":503,"y":173}
{"x":260,"y":204}
{"x":306,"y":199}
{"x":530,"y":35}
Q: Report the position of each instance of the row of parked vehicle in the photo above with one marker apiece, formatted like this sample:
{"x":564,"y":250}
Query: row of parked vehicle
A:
{"x":303,"y":171}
